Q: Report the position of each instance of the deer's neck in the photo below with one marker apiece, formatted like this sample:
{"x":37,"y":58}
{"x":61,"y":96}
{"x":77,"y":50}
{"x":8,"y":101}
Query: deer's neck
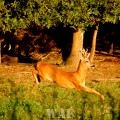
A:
{"x":82,"y":70}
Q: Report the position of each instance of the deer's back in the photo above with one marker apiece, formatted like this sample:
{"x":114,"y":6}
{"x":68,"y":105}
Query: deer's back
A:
{"x":53,"y":73}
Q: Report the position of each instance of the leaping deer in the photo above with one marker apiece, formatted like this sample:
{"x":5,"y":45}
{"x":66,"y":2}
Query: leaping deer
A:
{"x":74,"y":80}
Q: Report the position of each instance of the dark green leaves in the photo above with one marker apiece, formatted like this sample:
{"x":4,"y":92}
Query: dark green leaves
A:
{"x":50,"y":13}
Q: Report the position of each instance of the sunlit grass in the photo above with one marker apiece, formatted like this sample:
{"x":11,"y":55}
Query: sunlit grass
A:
{"x":21,"y":101}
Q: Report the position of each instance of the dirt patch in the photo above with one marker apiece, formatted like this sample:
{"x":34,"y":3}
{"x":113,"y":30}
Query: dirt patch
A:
{"x":21,"y":73}
{"x":106,"y":68}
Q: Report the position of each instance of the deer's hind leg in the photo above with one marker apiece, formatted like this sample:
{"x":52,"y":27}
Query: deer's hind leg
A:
{"x":36,"y":77}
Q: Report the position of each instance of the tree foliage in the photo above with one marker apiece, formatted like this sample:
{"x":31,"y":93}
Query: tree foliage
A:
{"x":49,"y":13}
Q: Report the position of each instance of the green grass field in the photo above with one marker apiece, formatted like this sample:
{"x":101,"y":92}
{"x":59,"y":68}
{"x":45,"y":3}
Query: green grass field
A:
{"x":49,"y":101}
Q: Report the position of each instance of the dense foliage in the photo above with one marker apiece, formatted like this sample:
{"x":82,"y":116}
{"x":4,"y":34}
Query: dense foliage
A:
{"x":75,"y":13}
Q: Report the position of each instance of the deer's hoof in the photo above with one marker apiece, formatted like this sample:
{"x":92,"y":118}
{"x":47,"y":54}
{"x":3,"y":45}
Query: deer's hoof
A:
{"x":102,"y":97}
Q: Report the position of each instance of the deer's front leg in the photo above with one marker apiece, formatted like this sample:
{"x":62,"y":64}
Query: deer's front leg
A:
{"x":90,"y":90}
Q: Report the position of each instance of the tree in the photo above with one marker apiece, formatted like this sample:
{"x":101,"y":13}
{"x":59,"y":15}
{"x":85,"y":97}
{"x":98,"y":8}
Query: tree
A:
{"x":46,"y":13}
{"x":77,"y":45}
{"x":1,"y":40}
{"x":78,"y":14}
{"x":103,"y":12}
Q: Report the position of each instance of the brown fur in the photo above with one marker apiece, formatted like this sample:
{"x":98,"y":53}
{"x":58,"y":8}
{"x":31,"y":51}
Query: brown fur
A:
{"x":65,"y":79}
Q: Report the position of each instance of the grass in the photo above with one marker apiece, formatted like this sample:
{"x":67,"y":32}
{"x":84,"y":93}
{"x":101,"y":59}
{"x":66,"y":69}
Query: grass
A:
{"x":21,"y":101}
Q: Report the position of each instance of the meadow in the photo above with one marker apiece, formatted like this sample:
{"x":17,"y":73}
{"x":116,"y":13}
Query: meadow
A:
{"x":49,"y":101}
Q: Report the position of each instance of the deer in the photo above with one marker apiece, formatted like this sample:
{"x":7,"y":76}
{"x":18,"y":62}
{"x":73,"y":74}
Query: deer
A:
{"x":73,"y":80}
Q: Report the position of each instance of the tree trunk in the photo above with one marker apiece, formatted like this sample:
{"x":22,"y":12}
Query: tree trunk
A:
{"x":0,"y":53}
{"x":1,"y":40}
{"x":111,"y":48}
{"x":93,"y":47}
{"x":77,"y":45}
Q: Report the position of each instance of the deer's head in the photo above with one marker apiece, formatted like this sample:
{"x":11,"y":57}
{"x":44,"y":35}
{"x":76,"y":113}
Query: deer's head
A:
{"x":85,"y":58}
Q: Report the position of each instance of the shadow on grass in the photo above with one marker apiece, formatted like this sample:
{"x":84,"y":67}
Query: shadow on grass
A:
{"x":16,"y":102}
{"x":115,"y":105}
{"x":26,"y":107}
